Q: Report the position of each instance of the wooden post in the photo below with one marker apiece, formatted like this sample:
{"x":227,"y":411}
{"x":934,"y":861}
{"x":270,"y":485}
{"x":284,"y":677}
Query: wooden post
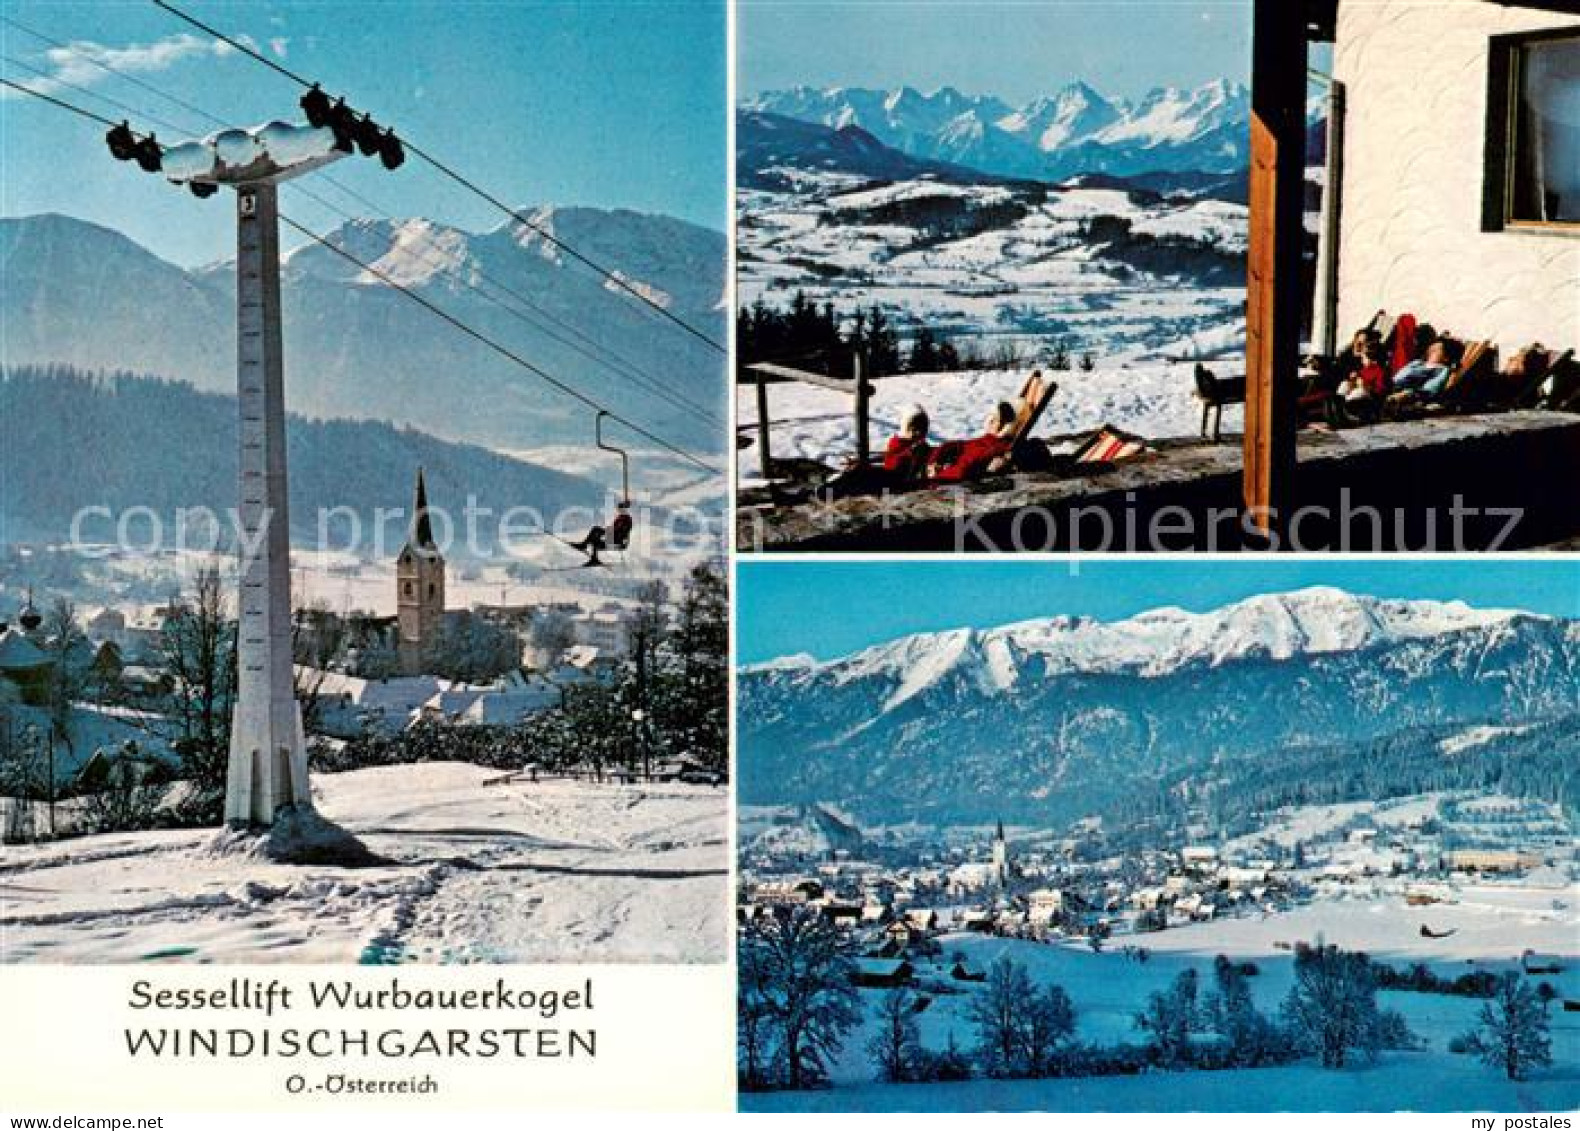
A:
{"x":863,"y":439}
{"x":764,"y":459}
{"x":1272,"y":317}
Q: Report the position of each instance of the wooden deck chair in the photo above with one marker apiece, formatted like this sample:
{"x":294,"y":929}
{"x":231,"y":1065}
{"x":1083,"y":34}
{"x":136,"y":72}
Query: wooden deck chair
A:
{"x":1034,"y":397}
{"x":1110,"y":445}
{"x":1470,"y":380}
{"x":1383,"y":324}
{"x":1561,"y":389}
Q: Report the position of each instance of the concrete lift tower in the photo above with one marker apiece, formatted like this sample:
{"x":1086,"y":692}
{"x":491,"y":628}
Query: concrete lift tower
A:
{"x":268,"y":754}
{"x":266,"y":781}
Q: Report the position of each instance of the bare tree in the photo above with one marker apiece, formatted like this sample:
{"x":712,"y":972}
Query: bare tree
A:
{"x":1049,"y":1022}
{"x":24,"y":774}
{"x":198,"y":648}
{"x":550,"y":635}
{"x":1170,"y":1017}
{"x":753,"y":1020}
{"x":64,"y":645}
{"x":807,"y":991}
{"x":1512,"y":1033}
{"x":690,"y":702}
{"x":1332,"y":1007}
{"x":318,"y":639}
{"x":896,"y":1048}
{"x":998,"y":1013}
{"x":121,"y":792}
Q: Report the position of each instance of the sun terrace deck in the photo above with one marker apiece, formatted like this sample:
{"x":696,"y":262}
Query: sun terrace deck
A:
{"x":1499,"y":481}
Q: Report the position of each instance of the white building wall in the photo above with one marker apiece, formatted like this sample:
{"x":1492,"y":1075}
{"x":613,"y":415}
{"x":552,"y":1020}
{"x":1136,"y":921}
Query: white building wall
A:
{"x":1415,"y":151}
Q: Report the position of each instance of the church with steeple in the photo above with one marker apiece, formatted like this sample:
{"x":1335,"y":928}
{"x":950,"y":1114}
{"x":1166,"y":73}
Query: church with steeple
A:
{"x":419,"y":589}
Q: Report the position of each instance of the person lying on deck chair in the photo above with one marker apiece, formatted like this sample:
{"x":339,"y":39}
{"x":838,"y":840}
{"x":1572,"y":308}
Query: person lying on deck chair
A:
{"x":961,"y":460}
{"x":1359,"y":398}
{"x":1428,"y":375}
{"x":1329,"y":373}
{"x":910,"y":458}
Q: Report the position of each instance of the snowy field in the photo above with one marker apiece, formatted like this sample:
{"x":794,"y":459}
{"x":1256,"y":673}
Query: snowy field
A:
{"x":1035,"y":278}
{"x":1155,"y":399}
{"x":1494,"y":924}
{"x":1029,"y":282}
{"x":481,"y":870}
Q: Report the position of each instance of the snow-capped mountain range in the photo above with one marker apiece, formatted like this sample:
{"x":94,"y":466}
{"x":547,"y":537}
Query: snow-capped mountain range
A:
{"x":1107,"y":268}
{"x":1152,"y":644}
{"x":1059,"y":716}
{"x":81,"y":294}
{"x":1075,"y":130}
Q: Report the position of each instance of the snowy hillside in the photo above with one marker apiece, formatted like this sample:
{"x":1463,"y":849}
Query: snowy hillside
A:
{"x":80,"y":294}
{"x":1103,"y":269}
{"x":812,"y":831}
{"x":772,"y":149}
{"x":167,"y":446}
{"x":479,"y":870}
{"x":1486,"y":932}
{"x":1075,"y":130}
{"x":1060,"y":717}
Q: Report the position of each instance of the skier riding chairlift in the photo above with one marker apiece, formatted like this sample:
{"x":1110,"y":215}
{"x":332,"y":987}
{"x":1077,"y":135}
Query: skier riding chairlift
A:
{"x":617,"y":536}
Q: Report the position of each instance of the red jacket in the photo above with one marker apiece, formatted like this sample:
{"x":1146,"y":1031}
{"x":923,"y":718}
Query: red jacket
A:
{"x":1375,"y":379}
{"x":906,"y":456}
{"x":960,"y":460}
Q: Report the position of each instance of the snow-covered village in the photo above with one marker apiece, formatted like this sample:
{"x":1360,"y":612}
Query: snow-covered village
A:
{"x":362,"y":589}
{"x":1048,"y":866}
{"x":526,"y":773}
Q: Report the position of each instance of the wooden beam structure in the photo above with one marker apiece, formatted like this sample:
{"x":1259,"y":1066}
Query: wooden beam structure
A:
{"x":805,"y":376}
{"x":1273,"y":300}
{"x":765,"y":459}
{"x":858,"y":387}
{"x":863,"y":393}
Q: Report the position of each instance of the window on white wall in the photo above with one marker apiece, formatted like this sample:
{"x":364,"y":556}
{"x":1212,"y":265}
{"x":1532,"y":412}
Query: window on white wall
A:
{"x":1533,"y":174}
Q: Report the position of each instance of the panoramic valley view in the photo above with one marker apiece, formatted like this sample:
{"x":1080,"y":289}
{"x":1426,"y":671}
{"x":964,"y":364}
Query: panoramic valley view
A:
{"x":1305,"y":848}
{"x":960,"y":237}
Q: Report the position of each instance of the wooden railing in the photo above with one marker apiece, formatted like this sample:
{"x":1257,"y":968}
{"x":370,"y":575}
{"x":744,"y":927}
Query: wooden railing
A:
{"x":857,"y":387}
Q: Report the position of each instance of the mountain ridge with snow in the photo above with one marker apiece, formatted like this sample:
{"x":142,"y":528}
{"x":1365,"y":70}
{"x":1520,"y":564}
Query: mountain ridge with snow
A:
{"x":82,"y":294}
{"x":1159,"y":641}
{"x":1075,"y":130}
{"x":1062,"y":716}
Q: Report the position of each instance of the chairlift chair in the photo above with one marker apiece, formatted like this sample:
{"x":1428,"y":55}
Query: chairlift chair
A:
{"x":620,"y":529}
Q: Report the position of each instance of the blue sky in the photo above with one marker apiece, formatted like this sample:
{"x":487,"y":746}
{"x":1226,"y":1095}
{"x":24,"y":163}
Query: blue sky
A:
{"x":1017,"y":50}
{"x":601,"y":102}
{"x":832,"y":608}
